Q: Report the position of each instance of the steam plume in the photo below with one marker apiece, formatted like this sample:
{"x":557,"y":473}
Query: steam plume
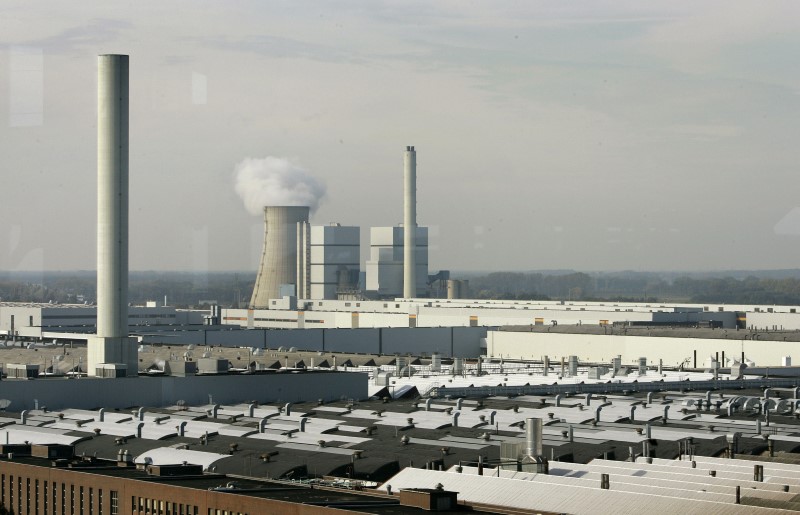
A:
{"x":276,"y":181}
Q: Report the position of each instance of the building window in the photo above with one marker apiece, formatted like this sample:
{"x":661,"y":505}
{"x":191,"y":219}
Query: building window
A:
{"x":72,"y":498}
{"x":44,"y":496}
{"x":100,"y":501}
{"x":114,"y":502}
{"x":11,"y":492}
{"x":36,"y":497}
{"x":91,"y":501}
{"x":63,"y":498}
{"x":82,"y":504}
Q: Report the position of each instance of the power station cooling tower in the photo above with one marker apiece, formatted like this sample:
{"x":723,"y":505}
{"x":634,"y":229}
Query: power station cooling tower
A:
{"x":279,"y":257}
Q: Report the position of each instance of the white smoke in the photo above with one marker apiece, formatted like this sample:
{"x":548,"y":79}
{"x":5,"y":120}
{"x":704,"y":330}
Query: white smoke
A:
{"x":276,"y":181}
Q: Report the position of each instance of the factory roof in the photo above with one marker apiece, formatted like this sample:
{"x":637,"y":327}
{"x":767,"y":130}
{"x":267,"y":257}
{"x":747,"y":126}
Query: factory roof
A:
{"x":563,"y":494}
{"x":657,"y":331}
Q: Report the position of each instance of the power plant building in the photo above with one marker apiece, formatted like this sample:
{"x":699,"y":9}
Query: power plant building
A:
{"x":385,"y":270}
{"x":305,"y":261}
{"x":328,"y":261}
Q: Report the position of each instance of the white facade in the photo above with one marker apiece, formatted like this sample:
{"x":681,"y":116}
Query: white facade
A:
{"x":36,"y":320}
{"x":397,"y":312}
{"x":602,"y":348}
{"x":385,"y":266}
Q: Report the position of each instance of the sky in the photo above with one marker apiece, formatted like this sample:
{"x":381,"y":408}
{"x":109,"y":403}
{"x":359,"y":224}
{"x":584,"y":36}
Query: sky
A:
{"x":587,"y":135}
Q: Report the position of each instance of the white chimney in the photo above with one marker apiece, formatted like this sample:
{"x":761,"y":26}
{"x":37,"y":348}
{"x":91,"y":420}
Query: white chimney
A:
{"x":409,"y":223}
{"x":112,"y":196}
{"x":112,"y":344}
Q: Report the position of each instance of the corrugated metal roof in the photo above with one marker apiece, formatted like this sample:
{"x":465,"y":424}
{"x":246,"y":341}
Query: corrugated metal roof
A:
{"x":638,"y":484}
{"x":634,"y":484}
{"x":558,"y":498}
{"x":172,"y":456}
{"x":687,"y":474}
{"x":651,"y":476}
{"x":36,"y":435}
{"x":316,"y":448}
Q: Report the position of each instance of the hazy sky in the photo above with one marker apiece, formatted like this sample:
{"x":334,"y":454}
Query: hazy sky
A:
{"x":595,"y":135}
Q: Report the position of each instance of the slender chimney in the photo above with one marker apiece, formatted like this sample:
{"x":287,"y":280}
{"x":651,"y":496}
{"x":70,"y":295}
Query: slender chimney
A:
{"x":112,"y":344}
{"x":112,"y":196}
{"x":410,"y":223}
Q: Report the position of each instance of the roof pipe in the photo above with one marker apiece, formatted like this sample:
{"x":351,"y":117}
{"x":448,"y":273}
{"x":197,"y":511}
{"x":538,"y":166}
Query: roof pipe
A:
{"x":533,"y":436}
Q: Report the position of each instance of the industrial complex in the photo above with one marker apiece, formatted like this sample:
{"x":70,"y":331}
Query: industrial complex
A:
{"x":384,"y":388}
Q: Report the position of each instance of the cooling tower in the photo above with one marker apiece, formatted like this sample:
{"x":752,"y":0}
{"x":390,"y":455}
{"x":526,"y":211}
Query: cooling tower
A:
{"x":409,"y":223}
{"x":279,"y":255}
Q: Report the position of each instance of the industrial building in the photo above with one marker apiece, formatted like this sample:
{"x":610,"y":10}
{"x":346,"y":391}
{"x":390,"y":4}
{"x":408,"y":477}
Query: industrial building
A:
{"x":323,"y":262}
{"x":678,"y":449}
{"x":44,"y":321}
{"x":423,"y":312}
{"x":626,"y":421}
{"x":386,"y":269}
{"x":329,"y":261}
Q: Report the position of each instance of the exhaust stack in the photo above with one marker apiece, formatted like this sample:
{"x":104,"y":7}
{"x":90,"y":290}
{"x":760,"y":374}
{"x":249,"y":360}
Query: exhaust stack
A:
{"x":112,"y":344}
{"x":409,"y":223}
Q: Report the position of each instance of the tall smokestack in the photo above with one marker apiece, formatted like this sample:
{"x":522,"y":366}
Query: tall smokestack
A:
{"x":112,"y":344}
{"x":409,"y":223}
{"x":279,"y":255}
{"x":112,"y":196}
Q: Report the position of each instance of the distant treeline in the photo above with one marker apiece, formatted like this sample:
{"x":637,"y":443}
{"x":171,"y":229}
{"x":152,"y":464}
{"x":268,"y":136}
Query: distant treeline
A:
{"x":182,"y":289}
{"x":186,"y":289}
{"x":634,"y":286}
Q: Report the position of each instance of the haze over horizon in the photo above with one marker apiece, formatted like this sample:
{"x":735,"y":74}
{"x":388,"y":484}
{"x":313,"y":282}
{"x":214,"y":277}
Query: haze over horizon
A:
{"x":582,"y":135}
